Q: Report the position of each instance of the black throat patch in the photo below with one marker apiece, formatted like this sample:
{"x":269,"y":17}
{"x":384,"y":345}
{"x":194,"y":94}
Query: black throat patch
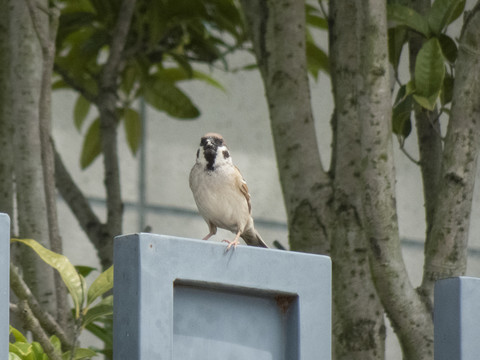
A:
{"x":210,"y":155}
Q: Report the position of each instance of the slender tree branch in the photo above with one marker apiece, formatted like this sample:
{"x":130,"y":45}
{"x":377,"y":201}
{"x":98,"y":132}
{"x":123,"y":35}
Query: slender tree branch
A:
{"x":322,"y":8}
{"x":428,"y":132}
{"x":108,"y":124}
{"x":401,"y":142}
{"x":31,"y":323}
{"x":74,"y":84}
{"x":33,"y":9}
{"x":47,"y":321}
{"x":79,"y":205}
{"x":46,"y":36}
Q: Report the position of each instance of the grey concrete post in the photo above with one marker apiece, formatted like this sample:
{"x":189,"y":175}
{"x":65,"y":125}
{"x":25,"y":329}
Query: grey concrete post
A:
{"x":4,"y":283}
{"x":182,"y":299}
{"x":457,"y":319}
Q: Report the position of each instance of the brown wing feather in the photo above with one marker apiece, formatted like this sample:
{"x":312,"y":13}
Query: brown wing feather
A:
{"x":242,"y":185}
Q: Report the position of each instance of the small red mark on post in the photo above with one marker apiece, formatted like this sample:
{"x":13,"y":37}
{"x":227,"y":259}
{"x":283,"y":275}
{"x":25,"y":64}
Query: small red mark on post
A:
{"x":284,"y":302}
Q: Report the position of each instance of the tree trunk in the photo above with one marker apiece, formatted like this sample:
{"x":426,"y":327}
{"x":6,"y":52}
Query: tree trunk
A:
{"x":408,"y":314}
{"x":278,"y":32}
{"x":26,"y":75}
{"x":6,"y":127}
{"x":429,"y":142}
{"x":359,"y":327}
{"x":446,"y":253}
{"x":108,"y":124}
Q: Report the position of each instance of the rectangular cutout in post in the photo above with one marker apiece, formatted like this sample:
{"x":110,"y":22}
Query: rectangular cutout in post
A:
{"x":212,"y":323}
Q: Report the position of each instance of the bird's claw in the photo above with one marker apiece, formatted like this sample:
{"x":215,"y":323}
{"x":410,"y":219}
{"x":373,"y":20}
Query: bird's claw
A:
{"x":233,"y":243}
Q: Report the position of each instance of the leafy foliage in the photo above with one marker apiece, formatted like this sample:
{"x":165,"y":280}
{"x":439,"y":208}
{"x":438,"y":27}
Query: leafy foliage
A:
{"x":21,"y":349}
{"x":87,"y":309}
{"x":165,"y":38}
{"x":432,"y":82}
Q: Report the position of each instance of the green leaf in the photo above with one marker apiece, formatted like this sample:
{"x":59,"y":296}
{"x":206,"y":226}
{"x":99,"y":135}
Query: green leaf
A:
{"x":102,"y":309}
{"x":175,"y":74}
{"x":458,"y":11}
{"x":447,"y":90}
{"x":92,"y":145}
{"x":401,"y":117}
{"x":60,"y":85}
{"x":80,"y":111}
{"x":165,"y":96}
{"x":102,"y":284}
{"x":426,"y":102}
{"x":397,"y":37}
{"x":410,"y":88}
{"x":317,"y":59}
{"x":133,"y":129}
{"x":403,"y":15}
{"x":100,"y":332}
{"x":441,"y":12}
{"x":198,"y":75}
{"x":64,"y":267}
{"x":429,"y":69}
{"x":17,"y":334}
{"x":449,"y":48}
{"x":23,"y":349}
{"x":317,"y":21}
{"x":37,"y":350}
{"x":84,"y":270}
{"x":129,"y":75}
{"x":80,"y":354}
{"x":57,"y":345}
{"x":13,"y":356}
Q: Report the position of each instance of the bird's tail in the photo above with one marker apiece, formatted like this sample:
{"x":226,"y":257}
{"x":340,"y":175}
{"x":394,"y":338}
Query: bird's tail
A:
{"x":253,"y":238}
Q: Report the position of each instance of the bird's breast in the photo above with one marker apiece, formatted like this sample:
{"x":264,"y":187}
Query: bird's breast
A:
{"x":218,"y":198}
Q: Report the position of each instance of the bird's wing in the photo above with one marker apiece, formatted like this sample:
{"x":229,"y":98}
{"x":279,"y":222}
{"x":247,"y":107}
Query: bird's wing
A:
{"x":242,"y":185}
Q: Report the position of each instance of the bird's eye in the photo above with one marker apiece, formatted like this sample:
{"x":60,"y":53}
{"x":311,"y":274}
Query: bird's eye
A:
{"x":203,"y":141}
{"x":218,"y":142}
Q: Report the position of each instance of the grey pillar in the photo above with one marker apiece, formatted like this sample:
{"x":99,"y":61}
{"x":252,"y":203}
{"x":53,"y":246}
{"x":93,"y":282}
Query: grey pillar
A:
{"x":4,"y":283}
{"x":457,"y":319}
{"x":182,"y":299}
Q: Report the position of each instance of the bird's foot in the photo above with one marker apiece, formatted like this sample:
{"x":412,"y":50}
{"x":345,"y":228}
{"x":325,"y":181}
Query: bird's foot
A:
{"x":233,"y":243}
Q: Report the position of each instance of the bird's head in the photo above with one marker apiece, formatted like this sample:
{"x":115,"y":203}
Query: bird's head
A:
{"x":213,"y":151}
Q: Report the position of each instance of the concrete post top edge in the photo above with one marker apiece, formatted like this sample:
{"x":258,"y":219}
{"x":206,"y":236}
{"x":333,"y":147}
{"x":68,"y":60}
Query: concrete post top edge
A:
{"x":457,"y":279}
{"x":161,"y":237}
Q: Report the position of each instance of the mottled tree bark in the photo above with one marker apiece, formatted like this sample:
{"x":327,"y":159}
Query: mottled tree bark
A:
{"x":446,"y":253}
{"x":409,"y":316}
{"x":278,"y":32}
{"x":430,"y":145}
{"x":6,"y":126}
{"x":45,"y":26}
{"x":359,"y":327}
{"x":26,"y":79}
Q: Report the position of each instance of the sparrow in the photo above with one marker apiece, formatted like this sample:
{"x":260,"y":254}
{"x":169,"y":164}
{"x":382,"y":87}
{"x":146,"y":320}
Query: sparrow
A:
{"x":221,"y":193}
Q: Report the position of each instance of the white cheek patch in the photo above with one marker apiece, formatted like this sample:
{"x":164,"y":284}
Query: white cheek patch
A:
{"x":223,"y":156}
{"x":201,"y":157}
